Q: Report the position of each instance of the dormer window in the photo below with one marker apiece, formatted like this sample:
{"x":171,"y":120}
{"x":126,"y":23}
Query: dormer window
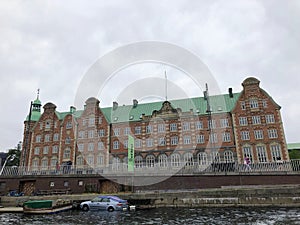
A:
{"x":69,"y":125}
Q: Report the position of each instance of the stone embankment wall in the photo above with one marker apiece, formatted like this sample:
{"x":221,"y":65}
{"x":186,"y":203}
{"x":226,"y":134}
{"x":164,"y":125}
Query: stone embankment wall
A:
{"x":240,"y":196}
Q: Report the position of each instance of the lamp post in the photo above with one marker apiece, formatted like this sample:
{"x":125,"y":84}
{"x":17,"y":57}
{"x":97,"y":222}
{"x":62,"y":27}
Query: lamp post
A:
{"x":10,"y":158}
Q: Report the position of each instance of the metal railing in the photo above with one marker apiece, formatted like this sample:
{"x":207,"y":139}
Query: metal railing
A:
{"x":292,"y":166}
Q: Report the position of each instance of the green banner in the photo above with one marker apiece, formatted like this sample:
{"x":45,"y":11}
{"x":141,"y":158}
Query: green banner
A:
{"x":130,"y":153}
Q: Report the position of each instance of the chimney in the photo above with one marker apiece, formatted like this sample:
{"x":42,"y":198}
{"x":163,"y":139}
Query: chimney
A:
{"x":72,"y":109}
{"x":115,"y":105}
{"x":230,"y":92}
{"x":135,"y":103}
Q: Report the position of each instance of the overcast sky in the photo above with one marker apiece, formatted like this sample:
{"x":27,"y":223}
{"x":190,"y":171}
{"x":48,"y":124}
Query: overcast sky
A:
{"x":51,"y":45}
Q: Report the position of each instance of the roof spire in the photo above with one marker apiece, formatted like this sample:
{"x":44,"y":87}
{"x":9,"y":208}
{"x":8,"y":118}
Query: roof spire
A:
{"x":38,"y":93}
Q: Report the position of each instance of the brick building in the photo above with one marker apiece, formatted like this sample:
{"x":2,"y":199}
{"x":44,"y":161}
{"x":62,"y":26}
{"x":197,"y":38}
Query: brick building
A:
{"x":194,"y":131}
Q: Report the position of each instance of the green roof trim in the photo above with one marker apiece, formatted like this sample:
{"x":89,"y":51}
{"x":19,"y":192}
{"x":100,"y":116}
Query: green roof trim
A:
{"x":292,"y":146}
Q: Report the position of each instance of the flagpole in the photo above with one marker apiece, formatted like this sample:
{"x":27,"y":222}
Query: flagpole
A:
{"x":166,"y":85}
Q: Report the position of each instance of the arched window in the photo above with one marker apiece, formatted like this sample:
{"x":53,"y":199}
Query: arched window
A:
{"x":163,"y":160}
{"x":261,"y":153}
{"x":175,"y":160}
{"x":247,"y":152}
{"x":90,"y":160}
{"x":150,"y":160}
{"x":228,"y":156}
{"x":215,"y":157}
{"x":188,"y":159}
{"x":138,"y":161}
{"x":276,"y":152}
{"x":202,"y":158}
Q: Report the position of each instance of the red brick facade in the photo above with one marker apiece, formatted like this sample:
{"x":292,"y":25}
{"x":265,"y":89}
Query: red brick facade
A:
{"x":96,"y":137}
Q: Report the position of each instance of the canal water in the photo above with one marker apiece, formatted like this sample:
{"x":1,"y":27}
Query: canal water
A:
{"x":164,"y":216}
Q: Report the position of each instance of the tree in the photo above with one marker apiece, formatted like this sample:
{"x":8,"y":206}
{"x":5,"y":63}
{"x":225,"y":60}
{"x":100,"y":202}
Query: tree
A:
{"x":294,"y":154}
{"x":14,"y":154}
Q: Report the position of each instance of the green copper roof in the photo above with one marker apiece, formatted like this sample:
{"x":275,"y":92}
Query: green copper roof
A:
{"x":219,"y":104}
{"x":37,"y":102}
{"x":128,"y":113}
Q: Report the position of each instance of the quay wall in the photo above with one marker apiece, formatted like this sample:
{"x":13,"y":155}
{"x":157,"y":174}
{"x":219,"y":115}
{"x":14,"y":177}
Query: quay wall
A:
{"x":231,"y":196}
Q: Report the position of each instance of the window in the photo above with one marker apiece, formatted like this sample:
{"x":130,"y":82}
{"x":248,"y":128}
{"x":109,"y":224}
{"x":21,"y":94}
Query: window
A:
{"x":243,"y":105}
{"x":226,"y":137}
{"x":41,"y":125}
{"x":162,"y":141}
{"x":47,"y":138}
{"x":79,"y":161}
{"x":276,"y":152}
{"x":228,"y":156}
{"x":258,"y":134}
{"x":150,"y":160}
{"x":91,"y":133}
{"x":138,"y":162}
{"x":256,"y":120}
{"x":117,"y":131}
{"x":44,"y":163}
{"x":272,"y":133}
{"x":56,"y":137}
{"x":48,"y":124}
{"x":81,"y":147}
{"x":101,"y":133}
{"x":187,"y":140}
{"x":188,"y":159}
{"x":35,"y":163}
{"x":67,"y":153}
{"x":186,"y":126}
{"x":68,"y":140}
{"x":100,"y":120}
{"x":174,"y":140}
{"x":138,"y":143}
{"x":38,"y":138}
{"x":248,"y":152}
{"x":270,"y":118}
{"x":91,"y":121}
{"x":36,"y":150}
{"x":125,"y":144}
{"x":100,"y":160}
{"x":116,"y":145}
{"x":175,"y":160}
{"x":245,"y":135}
{"x":161,"y":128}
{"x":69,"y":125}
{"x":138,"y":130}
{"x":81,"y":134}
{"x":202,"y":158}
{"x":261,"y":153}
{"x":100,"y":145}
{"x":200,"y":139}
{"x":46,"y":150}
{"x":173,"y":127}
{"x":213,"y":138}
{"x":265,"y":103}
{"x":53,"y":162}
{"x":224,"y":123}
{"x":91,"y":146}
{"x":126,"y":131}
{"x":55,"y":149}
{"x":253,"y":103}
{"x":163,"y":160}
{"x":149,"y":142}
{"x":243,"y":121}
{"x":215,"y":157}
{"x":90,"y":160}
{"x":211,"y":124}
{"x":149,"y":129}
{"x":199,"y":125}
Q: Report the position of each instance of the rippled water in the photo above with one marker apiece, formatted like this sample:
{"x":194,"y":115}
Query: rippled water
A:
{"x":224,"y":216}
